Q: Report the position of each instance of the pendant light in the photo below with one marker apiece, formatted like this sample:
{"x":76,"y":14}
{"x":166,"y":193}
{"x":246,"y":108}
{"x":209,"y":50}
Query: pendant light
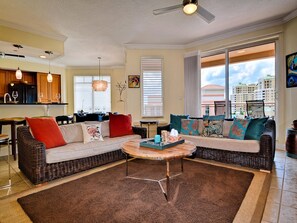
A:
{"x":49,"y":75}
{"x":18,"y":73}
{"x":99,"y":85}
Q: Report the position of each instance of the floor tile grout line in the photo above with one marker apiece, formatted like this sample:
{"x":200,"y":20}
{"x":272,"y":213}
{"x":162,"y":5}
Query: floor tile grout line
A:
{"x":282,"y":189}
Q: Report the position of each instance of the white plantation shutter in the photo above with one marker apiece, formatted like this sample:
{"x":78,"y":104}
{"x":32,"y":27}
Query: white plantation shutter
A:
{"x":152,"y":87}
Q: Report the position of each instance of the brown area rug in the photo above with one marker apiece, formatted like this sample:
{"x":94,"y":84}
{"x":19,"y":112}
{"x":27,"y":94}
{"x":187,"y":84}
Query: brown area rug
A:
{"x":203,"y":193}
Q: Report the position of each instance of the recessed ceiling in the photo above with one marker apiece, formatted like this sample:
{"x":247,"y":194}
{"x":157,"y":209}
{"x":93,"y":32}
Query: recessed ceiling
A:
{"x":103,"y":27}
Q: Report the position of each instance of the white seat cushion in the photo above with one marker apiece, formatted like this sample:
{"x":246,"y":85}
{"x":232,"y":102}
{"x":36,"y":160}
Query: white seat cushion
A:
{"x":79,"y":150}
{"x":248,"y":146}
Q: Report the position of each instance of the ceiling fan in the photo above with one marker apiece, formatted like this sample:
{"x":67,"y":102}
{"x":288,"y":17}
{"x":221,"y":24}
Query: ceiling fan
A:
{"x":189,"y":7}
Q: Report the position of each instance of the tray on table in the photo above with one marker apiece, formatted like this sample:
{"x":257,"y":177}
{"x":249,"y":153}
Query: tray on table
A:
{"x":160,"y":146}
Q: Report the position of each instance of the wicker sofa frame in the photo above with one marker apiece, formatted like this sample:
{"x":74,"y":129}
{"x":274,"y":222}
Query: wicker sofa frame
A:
{"x":32,"y":160}
{"x":262,"y":160}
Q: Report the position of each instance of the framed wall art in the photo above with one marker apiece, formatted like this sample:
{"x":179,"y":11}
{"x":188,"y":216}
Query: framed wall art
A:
{"x":134,"y":81}
{"x":291,"y":70}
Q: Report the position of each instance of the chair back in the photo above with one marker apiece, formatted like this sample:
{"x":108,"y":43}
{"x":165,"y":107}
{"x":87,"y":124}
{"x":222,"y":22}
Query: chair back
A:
{"x":219,"y":107}
{"x":255,"y":108}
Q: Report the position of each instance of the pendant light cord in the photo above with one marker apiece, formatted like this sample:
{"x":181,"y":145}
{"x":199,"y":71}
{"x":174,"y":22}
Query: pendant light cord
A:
{"x":99,"y":58}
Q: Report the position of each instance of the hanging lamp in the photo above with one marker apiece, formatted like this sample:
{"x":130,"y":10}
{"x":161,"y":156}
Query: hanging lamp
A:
{"x":18,"y":73}
{"x":49,"y":75}
{"x":99,"y":85}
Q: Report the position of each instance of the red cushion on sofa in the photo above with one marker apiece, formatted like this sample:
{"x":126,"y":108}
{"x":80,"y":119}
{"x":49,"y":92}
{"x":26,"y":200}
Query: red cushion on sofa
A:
{"x":46,"y":130}
{"x":120,"y":125}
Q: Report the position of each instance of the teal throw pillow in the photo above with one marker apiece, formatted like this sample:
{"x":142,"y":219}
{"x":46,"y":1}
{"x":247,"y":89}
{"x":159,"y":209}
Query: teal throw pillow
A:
{"x":255,"y":128}
{"x":238,"y":128}
{"x":175,"y":121}
{"x":189,"y":127}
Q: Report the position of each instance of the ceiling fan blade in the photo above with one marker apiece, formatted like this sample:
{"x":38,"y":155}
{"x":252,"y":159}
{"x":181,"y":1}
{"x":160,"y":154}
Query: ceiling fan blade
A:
{"x":204,"y":14}
{"x":167,"y":9}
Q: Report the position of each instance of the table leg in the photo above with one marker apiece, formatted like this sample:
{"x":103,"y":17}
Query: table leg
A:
{"x":182,"y":165}
{"x":167,"y":181}
{"x":126,"y":164}
{"x":13,"y":140}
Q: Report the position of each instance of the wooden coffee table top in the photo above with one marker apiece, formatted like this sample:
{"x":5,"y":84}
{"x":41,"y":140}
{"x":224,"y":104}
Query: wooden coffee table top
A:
{"x":133,"y":148}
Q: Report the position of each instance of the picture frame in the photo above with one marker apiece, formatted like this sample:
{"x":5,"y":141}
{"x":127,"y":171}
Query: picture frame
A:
{"x":291,"y":70}
{"x":134,"y":81}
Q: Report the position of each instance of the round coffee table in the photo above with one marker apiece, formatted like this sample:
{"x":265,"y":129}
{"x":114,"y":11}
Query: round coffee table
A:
{"x":180,"y":151}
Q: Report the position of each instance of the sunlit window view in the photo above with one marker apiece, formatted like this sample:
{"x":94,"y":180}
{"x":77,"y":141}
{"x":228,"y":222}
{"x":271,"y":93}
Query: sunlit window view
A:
{"x":251,"y":78}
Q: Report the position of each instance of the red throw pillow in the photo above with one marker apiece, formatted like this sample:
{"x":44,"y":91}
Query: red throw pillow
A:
{"x":46,"y":130}
{"x":120,"y":125}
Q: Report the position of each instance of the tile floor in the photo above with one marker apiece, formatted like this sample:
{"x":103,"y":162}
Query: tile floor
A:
{"x":281,"y":205}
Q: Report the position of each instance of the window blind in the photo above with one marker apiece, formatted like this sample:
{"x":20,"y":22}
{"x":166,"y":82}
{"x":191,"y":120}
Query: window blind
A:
{"x":152,"y":87}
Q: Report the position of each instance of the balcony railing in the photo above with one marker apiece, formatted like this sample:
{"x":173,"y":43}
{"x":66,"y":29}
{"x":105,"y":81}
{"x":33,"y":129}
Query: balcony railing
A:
{"x":238,"y":109}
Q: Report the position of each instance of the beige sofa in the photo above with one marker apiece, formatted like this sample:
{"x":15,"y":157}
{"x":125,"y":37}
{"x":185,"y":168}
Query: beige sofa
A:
{"x":40,"y":164}
{"x":249,"y":153}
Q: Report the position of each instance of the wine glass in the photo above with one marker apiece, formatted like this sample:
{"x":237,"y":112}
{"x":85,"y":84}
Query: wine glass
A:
{"x":58,"y":96}
{"x":40,"y":96}
{"x":15,"y":96}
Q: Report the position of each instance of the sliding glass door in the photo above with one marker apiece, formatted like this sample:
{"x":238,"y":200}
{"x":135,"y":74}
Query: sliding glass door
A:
{"x":238,"y":75}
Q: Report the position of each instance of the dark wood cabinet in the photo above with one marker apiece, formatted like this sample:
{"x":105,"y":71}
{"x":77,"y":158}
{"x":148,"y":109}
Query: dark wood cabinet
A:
{"x":48,"y":91}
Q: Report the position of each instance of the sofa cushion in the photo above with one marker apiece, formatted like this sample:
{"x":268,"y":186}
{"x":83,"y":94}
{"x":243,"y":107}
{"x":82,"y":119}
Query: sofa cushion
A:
{"x":238,"y":128}
{"x":248,"y":146}
{"x":46,"y":130}
{"x":91,"y":132}
{"x":120,"y":125}
{"x":175,"y":121}
{"x":255,"y":128}
{"x":226,"y":127}
{"x":189,"y":127}
{"x":72,"y":132}
{"x":77,"y":150}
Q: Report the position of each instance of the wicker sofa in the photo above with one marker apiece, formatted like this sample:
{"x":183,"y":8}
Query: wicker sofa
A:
{"x":263,"y":159}
{"x":33,"y":160}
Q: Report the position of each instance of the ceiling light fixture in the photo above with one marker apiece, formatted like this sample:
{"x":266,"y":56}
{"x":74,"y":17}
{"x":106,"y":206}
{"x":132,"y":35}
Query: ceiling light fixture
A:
{"x":42,"y":57}
{"x":49,"y":75}
{"x":190,"y":6}
{"x":99,"y":85}
{"x":18,"y":73}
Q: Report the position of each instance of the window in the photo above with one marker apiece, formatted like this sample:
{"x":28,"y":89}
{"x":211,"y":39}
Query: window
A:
{"x":151,"y":87}
{"x":88,"y":100}
{"x":250,"y":75}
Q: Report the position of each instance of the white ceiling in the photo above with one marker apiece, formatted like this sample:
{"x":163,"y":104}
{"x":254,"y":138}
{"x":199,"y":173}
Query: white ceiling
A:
{"x":104,"y":27}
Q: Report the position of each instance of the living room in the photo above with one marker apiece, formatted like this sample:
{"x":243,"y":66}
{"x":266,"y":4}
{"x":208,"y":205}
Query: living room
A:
{"x":36,"y":33}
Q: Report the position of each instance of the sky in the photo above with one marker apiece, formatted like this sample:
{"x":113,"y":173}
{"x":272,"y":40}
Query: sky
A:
{"x":246,"y":72}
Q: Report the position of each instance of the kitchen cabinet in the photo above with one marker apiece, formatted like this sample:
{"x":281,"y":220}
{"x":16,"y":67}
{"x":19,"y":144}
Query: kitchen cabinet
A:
{"x":46,"y":91}
{"x":3,"y":85}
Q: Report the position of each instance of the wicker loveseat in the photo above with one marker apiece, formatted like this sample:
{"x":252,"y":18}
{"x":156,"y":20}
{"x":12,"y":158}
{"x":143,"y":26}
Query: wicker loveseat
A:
{"x":262,"y":159}
{"x":33,"y":156}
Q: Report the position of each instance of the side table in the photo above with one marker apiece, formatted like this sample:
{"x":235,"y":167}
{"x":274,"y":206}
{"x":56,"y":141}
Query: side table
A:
{"x":4,"y":139}
{"x":291,"y":143}
{"x":148,"y":123}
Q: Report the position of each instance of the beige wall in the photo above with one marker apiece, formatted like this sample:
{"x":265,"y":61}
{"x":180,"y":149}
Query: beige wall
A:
{"x":290,"y":108}
{"x":173,"y":81}
{"x":117,"y":75}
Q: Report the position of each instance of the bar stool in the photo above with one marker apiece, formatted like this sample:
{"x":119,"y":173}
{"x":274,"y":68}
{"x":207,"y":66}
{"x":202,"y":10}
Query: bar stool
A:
{"x":4,"y":139}
{"x":13,"y":122}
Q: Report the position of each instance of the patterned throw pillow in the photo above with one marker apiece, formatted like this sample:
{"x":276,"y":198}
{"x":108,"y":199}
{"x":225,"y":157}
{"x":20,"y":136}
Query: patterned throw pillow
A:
{"x":91,"y":132}
{"x":189,"y":127}
{"x":213,"y":129}
{"x":213,"y":125}
{"x":238,"y":128}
